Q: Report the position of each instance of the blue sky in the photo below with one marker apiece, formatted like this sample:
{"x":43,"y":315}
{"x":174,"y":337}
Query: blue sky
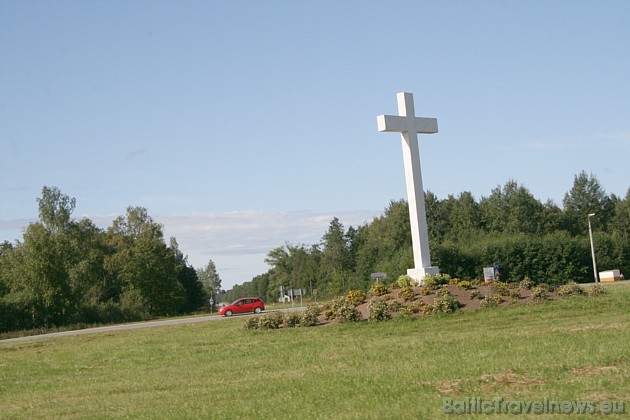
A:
{"x":240,"y":125}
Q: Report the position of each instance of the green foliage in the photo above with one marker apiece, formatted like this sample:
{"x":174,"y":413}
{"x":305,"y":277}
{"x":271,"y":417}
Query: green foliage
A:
{"x":406,"y":281}
{"x":569,"y":289}
{"x":597,"y":290}
{"x":476,"y":294}
{"x":271,"y":321}
{"x":539,"y":293}
{"x":292,"y":319}
{"x":500,"y":288}
{"x":445,"y":302}
{"x":378,"y":310}
{"x":407,"y":293}
{"x":433,"y":280}
{"x":491,"y":301}
{"x":356,"y":297}
{"x":425,"y":290}
{"x":251,"y":323}
{"x":310,"y":315}
{"x":466,"y":285}
{"x":406,"y":312}
{"x":378,"y":290}
{"x":526,"y":283}
{"x":395,"y":306}
{"x":348,"y":313}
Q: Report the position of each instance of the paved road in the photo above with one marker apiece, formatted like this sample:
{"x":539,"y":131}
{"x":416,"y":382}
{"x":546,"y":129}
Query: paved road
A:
{"x":137,"y":325}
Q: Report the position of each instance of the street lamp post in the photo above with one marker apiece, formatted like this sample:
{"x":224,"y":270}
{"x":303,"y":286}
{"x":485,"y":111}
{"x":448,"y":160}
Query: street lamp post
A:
{"x":590,"y":234}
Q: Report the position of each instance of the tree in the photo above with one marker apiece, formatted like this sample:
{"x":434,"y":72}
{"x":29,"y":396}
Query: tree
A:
{"x":621,"y":219}
{"x":585,"y":197}
{"x":144,"y":263}
{"x":512,"y":209}
{"x":55,"y":209}
{"x":210,"y":279}
{"x":187,"y":277}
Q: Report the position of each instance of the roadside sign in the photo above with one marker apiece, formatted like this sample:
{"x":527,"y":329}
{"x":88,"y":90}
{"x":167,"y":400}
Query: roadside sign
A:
{"x":376,"y":276}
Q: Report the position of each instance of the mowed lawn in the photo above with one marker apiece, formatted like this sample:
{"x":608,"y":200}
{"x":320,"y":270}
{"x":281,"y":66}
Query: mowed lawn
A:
{"x":574,"y":349}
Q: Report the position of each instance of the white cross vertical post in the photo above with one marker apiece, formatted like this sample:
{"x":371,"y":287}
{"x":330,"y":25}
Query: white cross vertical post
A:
{"x":409,"y":126}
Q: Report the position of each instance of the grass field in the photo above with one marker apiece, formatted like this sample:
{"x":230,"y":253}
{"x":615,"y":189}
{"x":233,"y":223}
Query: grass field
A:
{"x":573,"y":349}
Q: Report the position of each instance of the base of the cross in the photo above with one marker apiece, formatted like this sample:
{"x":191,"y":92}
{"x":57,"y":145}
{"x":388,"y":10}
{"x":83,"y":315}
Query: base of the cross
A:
{"x":418,"y":274}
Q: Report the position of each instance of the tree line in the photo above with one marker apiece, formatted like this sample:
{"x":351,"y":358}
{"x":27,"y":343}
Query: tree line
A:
{"x":528,"y":238}
{"x":66,"y":271}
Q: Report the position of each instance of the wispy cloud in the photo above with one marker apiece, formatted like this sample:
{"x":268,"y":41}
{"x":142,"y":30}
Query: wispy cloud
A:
{"x":247,"y":232}
{"x":135,"y":154}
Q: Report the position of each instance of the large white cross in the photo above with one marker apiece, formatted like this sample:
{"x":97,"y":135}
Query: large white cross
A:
{"x":409,"y":126}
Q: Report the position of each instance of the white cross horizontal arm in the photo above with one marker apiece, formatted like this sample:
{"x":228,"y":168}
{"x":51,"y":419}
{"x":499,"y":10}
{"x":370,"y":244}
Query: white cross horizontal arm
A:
{"x":393,"y":123}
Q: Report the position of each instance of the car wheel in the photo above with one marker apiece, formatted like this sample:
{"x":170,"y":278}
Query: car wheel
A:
{"x":257,"y":310}
{"x":228,"y":313}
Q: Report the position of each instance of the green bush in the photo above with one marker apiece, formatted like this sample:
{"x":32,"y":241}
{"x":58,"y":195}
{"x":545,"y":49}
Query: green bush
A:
{"x":425,"y":290}
{"x":433,"y":280}
{"x":378,"y":310}
{"x":597,"y":290}
{"x":394,"y":306}
{"x":407,"y":293}
{"x":445,"y":302}
{"x":491,"y":301}
{"x":378,"y":290}
{"x":270,"y":321}
{"x":476,"y":294}
{"x":406,"y":281}
{"x":310,"y":315}
{"x":251,"y":323}
{"x":292,"y":319}
{"x":463,"y":284}
{"x":526,"y":283}
{"x":356,"y":297}
{"x":571,"y":288}
{"x":499,"y":287}
{"x":539,"y":294}
{"x":406,"y":312}
{"x":348,"y":313}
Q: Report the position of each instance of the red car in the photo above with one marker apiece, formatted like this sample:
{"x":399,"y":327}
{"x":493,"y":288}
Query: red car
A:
{"x":243,"y":305}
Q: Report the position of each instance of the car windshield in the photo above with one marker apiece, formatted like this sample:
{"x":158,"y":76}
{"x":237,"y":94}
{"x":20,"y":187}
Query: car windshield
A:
{"x":237,"y":302}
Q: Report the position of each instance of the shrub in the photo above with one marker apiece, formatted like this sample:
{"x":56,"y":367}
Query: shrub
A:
{"x":251,"y":323}
{"x":526,"y":283}
{"x":292,"y":319}
{"x":425,"y":290}
{"x":348,"y":313}
{"x":378,"y":310}
{"x":394,"y":306}
{"x":330,"y":314}
{"x":271,"y":321}
{"x":498,"y":287}
{"x":406,"y":312}
{"x":491,"y":301}
{"x":445,"y":302}
{"x":406,"y":281}
{"x":356,"y":297}
{"x":407,"y":293}
{"x":476,"y":294}
{"x":569,"y":289}
{"x":310,"y":315}
{"x":514,"y":295}
{"x":336,"y":303}
{"x":463,"y":284}
{"x":597,"y":290}
{"x":433,"y":280}
{"x":378,"y":290}
{"x":539,"y":294}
